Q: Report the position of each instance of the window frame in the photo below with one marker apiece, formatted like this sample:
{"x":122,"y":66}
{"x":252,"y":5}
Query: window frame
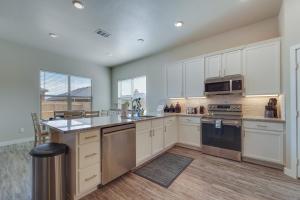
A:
{"x":129,"y":97}
{"x":68,"y":97}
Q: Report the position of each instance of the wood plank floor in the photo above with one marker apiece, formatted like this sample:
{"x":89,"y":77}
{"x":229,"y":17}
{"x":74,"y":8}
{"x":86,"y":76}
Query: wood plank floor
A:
{"x":207,"y":178}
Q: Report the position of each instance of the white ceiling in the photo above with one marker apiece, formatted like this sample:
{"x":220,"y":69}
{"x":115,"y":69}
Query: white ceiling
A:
{"x":30,"y":21}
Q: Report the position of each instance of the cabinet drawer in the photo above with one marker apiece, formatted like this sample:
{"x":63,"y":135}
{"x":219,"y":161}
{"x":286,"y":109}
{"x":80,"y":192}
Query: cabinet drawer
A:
{"x":89,"y":178}
{"x":190,"y":120}
{"x":157,"y":123}
{"x":169,"y":121}
{"x":89,"y":154}
{"x":267,"y":126}
{"x":142,"y":126}
{"x":89,"y":136}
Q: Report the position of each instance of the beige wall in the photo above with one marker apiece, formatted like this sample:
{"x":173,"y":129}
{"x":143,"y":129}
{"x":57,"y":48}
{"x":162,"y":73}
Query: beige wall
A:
{"x":19,"y":85}
{"x":152,"y":66}
{"x":289,"y":19}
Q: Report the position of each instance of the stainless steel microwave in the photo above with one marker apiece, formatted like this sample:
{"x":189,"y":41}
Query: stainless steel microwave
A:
{"x":225,"y":85}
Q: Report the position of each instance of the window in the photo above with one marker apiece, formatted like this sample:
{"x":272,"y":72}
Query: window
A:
{"x":130,"y":89}
{"x":59,"y":92}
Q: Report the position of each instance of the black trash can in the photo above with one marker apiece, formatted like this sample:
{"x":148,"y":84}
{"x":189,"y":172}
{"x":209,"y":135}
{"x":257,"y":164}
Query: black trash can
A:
{"x":49,"y":171}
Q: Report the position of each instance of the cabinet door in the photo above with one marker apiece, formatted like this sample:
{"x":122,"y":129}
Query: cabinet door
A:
{"x":194,"y":78}
{"x":263,"y":145}
{"x":262,"y":69}
{"x":175,"y":80}
{"x":190,"y":134}
{"x":143,"y":145}
{"x":171,"y":134}
{"x":157,"y":140}
{"x":213,"y":66}
{"x":232,"y":63}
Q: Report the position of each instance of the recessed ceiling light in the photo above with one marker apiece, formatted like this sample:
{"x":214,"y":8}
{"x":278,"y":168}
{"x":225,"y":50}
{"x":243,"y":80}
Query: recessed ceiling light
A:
{"x":109,"y":54}
{"x":178,"y":24}
{"x":141,"y":40}
{"x":53,"y":35}
{"x":78,"y":4}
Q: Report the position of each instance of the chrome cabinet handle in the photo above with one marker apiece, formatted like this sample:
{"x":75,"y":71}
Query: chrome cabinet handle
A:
{"x":90,"y":178}
{"x":262,"y":126}
{"x":90,"y":137}
{"x":90,"y":155}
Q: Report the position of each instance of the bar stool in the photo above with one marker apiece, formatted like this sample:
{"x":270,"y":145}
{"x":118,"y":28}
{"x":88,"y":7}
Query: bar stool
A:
{"x":40,"y":136}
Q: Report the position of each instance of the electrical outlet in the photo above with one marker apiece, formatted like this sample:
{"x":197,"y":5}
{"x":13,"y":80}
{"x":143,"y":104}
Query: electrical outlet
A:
{"x":21,"y":130}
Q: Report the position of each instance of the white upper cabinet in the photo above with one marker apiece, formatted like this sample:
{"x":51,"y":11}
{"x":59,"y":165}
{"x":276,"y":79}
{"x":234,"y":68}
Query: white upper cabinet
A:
{"x":232,"y":63}
{"x":225,"y":64}
{"x":259,"y":63}
{"x":194,"y":77}
{"x":213,"y":66}
{"x":174,"y":80}
{"x":262,"y":68}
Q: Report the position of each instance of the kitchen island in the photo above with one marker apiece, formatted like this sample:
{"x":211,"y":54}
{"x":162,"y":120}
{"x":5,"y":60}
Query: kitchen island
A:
{"x":84,"y":137}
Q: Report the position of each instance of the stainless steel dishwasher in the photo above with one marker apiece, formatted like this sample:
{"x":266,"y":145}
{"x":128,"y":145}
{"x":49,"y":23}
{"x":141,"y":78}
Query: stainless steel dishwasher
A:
{"x":118,"y":151}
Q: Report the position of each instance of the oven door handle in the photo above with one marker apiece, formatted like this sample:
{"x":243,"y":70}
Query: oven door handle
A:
{"x":232,"y":123}
{"x":207,"y":121}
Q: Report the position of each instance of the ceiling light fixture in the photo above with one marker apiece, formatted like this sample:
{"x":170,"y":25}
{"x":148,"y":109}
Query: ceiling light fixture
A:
{"x":178,"y":24}
{"x":53,"y":35}
{"x":78,"y":4}
{"x":141,"y":40}
{"x":109,"y":54}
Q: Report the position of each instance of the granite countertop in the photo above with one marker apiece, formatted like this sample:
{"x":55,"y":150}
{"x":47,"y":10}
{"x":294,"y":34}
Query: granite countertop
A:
{"x":263,"y":119}
{"x":77,"y":125}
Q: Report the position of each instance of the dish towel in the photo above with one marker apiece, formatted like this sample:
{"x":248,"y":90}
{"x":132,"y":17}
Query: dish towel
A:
{"x":218,"y":123}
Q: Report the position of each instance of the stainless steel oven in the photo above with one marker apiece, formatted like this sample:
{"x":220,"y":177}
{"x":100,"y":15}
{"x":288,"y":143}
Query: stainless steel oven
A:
{"x":225,"y":85}
{"x":222,"y":130}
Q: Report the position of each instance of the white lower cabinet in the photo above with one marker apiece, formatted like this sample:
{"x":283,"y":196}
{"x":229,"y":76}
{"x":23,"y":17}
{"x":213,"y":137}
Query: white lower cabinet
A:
{"x":263,"y":141}
{"x":89,"y":169}
{"x":88,"y":178}
{"x":149,"y":139}
{"x":143,"y":145}
{"x":157,"y":136}
{"x":170,"y":132}
{"x":190,"y":131}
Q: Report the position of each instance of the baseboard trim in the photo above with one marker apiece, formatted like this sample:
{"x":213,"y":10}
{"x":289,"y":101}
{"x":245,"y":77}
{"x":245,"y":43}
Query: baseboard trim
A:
{"x":17,"y":141}
{"x":263,"y":163}
{"x":290,"y":173}
{"x":189,"y":146}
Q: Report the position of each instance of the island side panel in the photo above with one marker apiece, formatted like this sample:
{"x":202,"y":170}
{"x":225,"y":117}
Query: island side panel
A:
{"x":70,"y":140}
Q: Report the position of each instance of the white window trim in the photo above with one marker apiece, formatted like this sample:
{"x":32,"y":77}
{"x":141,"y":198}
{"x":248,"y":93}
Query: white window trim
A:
{"x":129,"y":97}
{"x":68,"y":97}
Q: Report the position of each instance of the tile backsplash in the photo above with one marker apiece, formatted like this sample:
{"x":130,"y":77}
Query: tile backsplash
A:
{"x":252,"y":106}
